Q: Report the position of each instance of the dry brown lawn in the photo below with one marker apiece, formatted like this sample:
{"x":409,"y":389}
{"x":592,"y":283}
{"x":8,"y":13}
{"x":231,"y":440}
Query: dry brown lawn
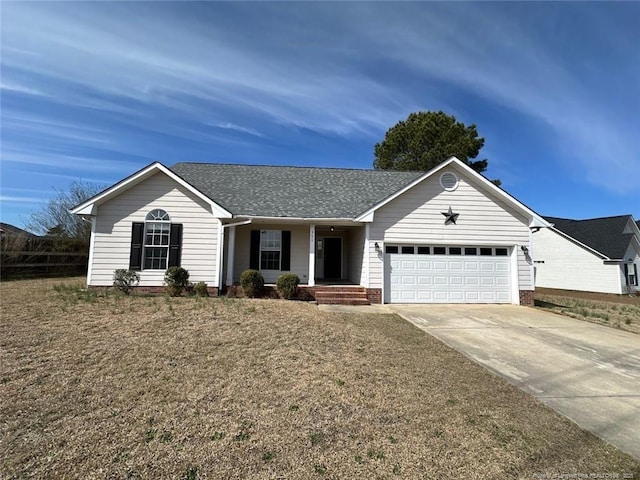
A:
{"x":105,"y":386}
{"x":619,"y":311}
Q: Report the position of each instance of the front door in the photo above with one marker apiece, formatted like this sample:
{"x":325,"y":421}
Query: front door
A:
{"x":332,"y":258}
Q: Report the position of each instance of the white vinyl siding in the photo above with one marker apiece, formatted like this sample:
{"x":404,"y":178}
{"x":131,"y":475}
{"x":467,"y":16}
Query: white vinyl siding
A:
{"x":570,"y":266}
{"x":415,"y":218}
{"x":299,"y":251}
{"x":112,"y":239}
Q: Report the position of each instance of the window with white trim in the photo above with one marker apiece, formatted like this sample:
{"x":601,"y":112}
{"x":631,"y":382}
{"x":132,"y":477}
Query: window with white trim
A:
{"x":157,"y":229}
{"x":632,"y":271}
{"x":270,"y":249}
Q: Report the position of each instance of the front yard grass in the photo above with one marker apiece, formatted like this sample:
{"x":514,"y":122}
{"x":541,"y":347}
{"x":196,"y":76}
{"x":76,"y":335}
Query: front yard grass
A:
{"x":97,"y":385}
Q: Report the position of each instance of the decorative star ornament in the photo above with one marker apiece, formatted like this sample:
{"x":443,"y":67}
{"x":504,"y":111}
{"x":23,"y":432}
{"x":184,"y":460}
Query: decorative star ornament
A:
{"x":450,"y":216}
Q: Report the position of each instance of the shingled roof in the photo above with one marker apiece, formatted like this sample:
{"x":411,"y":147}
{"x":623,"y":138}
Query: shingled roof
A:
{"x":604,"y":235}
{"x":299,"y":192}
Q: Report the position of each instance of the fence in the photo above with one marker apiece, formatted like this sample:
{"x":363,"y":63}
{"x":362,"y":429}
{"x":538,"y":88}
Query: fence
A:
{"x":22,"y":256}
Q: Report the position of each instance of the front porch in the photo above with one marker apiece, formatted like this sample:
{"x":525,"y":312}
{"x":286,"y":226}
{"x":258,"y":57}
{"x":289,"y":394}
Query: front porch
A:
{"x":328,"y":258}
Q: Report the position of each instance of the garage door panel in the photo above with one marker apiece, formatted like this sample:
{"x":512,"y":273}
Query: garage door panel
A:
{"x":425,"y":296}
{"x":448,"y":279}
{"x":407,"y":265}
{"x":441,"y":297}
{"x":471,"y":296}
{"x":408,"y":280}
{"x":487,"y":266}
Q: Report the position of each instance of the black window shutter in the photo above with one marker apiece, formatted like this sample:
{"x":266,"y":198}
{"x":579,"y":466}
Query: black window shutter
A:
{"x":635,"y":273}
{"x":175,"y":245}
{"x":254,"y":257}
{"x":285,"y":261}
{"x":626,"y":273}
{"x":135,"y":256}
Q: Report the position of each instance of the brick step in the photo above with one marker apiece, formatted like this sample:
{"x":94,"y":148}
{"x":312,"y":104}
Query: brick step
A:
{"x":341,"y":296}
{"x":340,"y":290}
{"x":342,"y":301}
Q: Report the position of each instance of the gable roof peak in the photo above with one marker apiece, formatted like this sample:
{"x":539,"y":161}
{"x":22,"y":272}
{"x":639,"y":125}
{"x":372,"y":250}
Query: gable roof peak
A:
{"x":605,"y":235}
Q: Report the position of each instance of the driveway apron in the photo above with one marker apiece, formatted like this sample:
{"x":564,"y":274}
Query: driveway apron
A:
{"x":587,"y":372}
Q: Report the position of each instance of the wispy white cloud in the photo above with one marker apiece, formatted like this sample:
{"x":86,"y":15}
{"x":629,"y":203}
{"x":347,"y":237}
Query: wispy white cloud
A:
{"x":18,"y":199}
{"x":13,"y":87}
{"x":58,"y":160}
{"x":340,"y":69}
{"x":238,"y":128}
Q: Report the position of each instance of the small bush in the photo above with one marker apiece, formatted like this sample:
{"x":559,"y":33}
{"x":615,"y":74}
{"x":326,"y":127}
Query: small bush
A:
{"x":252,"y":282}
{"x":287,"y":285}
{"x":124,"y":280}
{"x":177,"y":279}
{"x":201,"y":289}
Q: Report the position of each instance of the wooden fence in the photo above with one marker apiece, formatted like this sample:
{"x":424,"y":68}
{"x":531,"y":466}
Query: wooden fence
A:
{"x":22,"y":257}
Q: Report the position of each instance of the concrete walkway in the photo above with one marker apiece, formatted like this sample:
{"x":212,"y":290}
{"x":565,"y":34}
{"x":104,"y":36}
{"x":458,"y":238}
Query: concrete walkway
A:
{"x":587,"y":372}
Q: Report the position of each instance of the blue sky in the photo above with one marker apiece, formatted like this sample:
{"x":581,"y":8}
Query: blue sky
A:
{"x":97,"y":90}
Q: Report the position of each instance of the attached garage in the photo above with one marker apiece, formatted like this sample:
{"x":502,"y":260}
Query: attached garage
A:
{"x":447,"y":274}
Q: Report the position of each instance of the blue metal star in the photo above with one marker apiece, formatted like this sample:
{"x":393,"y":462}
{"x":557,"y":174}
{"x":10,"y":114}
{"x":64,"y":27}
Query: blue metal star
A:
{"x":451,"y":217}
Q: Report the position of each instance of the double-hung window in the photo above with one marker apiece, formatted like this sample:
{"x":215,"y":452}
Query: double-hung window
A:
{"x":631,"y":272}
{"x":156,"y":239}
{"x":270,"y":249}
{"x":156,"y":243}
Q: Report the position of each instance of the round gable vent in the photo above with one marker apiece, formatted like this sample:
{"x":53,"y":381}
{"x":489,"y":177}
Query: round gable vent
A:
{"x":449,"y":181}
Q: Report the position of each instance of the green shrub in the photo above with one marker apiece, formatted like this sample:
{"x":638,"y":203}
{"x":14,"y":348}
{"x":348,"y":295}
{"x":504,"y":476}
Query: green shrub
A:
{"x":251,"y":282}
{"x":201,"y":289}
{"x":287,"y":285}
{"x":177,"y":279}
{"x":124,"y":280}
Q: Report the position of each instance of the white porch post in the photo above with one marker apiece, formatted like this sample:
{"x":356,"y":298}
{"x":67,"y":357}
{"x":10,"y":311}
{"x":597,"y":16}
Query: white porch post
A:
{"x":312,"y":256}
{"x":231,"y":250}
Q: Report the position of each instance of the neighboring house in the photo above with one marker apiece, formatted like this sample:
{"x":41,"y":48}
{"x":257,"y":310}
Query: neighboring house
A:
{"x":445,"y":236}
{"x":8,"y":229}
{"x":596,"y":255}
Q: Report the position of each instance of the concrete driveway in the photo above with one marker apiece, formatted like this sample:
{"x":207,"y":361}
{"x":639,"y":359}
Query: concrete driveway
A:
{"x":587,"y":372}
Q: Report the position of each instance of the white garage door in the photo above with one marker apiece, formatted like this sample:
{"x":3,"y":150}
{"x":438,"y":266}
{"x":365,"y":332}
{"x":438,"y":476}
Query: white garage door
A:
{"x":447,"y":274}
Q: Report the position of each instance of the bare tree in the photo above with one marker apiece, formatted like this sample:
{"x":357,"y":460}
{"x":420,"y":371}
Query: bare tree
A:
{"x":55,"y":220}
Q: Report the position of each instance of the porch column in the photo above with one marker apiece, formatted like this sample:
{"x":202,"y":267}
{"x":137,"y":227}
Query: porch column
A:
{"x":231,"y":250}
{"x":312,"y":255}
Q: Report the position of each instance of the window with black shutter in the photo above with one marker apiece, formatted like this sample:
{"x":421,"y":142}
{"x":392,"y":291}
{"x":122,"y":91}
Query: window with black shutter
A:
{"x":156,"y":244}
{"x":270,"y":250}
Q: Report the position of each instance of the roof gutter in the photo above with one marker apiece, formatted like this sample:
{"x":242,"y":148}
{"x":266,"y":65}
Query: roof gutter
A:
{"x":316,"y":220}
{"x":236,"y":224}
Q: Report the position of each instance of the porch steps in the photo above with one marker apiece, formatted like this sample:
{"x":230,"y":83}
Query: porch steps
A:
{"x":341,"y":296}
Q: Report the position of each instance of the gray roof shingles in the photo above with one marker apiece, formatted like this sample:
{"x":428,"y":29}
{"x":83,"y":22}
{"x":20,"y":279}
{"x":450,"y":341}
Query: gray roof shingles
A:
{"x":299,"y":192}
{"x":605,"y":235}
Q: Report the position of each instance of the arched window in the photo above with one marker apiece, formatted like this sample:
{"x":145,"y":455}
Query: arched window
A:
{"x":157,"y":229}
{"x":156,"y":243}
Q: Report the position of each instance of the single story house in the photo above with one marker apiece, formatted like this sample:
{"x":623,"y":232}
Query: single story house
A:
{"x":448,"y":235}
{"x":595,"y":255}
